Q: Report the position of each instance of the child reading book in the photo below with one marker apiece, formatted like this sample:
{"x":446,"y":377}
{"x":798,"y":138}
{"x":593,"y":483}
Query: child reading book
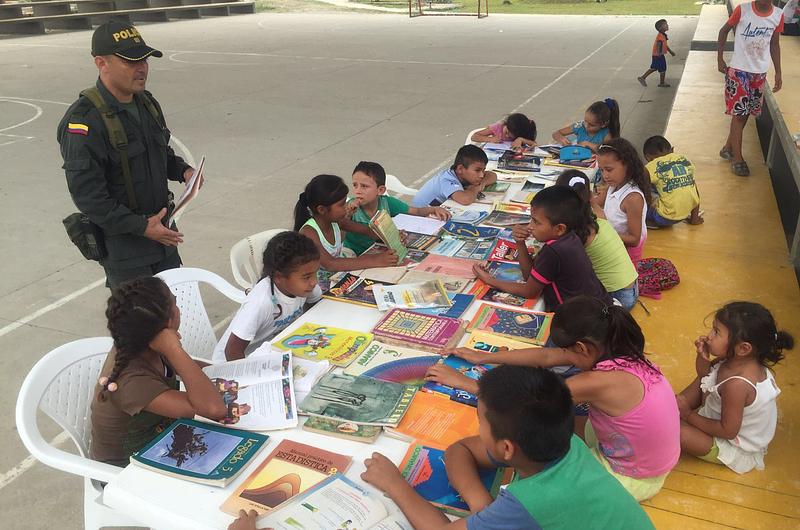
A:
{"x":515,"y":128}
{"x":369,"y":188}
{"x":561,"y":269}
{"x":659,"y":62}
{"x":525,"y":422}
{"x":675,"y":196}
{"x":600,"y":124}
{"x":463,"y":182}
{"x":288,"y":282}
{"x":137,"y":394}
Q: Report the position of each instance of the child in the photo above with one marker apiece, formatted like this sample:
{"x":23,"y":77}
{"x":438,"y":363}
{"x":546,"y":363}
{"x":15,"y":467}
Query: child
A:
{"x":747,"y":74}
{"x":463,"y":182}
{"x":137,"y":394}
{"x":319,"y":211}
{"x":288,"y":282}
{"x":734,"y":390}
{"x":525,"y":423}
{"x":561,"y":269}
{"x":676,"y":198}
{"x":599,"y":126}
{"x":369,"y":188}
{"x":625,"y":199}
{"x":633,"y":427}
{"x":659,"y":62}
{"x":516,"y":128}
{"x":604,"y":247}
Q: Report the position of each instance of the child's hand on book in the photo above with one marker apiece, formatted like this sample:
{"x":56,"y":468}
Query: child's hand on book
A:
{"x":480,"y":271}
{"x":382,"y":474}
{"x":440,"y":213}
{"x":246,"y":521}
{"x":384,"y":259}
{"x":469,"y":355}
{"x":447,"y":375}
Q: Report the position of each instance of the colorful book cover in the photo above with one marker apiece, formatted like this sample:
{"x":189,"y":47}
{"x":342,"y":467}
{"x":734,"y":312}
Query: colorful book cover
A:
{"x":382,"y":224}
{"x":447,"y":246}
{"x":498,"y":218}
{"x":290,"y":468}
{"x":514,"y":161}
{"x":527,"y":326}
{"x":425,"y":332}
{"x":465,"y":231}
{"x":420,"y":241}
{"x":354,"y":289}
{"x":317,"y":343}
{"x":343,"y":429}
{"x":412,"y":295}
{"x":523,"y":197}
{"x":465,"y":216}
{"x":466,"y":368}
{"x":488,"y":293}
{"x":507,"y":207}
{"x":436,"y":421}
{"x":506,"y":250}
{"x":507,"y":272}
{"x":490,"y":343}
{"x":200,"y":452}
{"x":424,"y":469}
{"x":497,"y":186}
{"x":460,"y":304}
{"x":478,"y":250}
{"x":452,"y":284}
{"x":358,"y":399}
{"x":533,"y":187}
{"x":394,"y":364}
{"x":461,"y":268}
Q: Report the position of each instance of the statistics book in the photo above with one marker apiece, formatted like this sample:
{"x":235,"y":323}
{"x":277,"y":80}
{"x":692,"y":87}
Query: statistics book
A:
{"x":425,"y":332}
{"x":436,"y":421}
{"x":343,"y":429}
{"x":382,"y":224}
{"x":359,"y":399}
{"x":395,"y":364}
{"x":353,"y":289}
{"x":291,"y":468}
{"x":199,"y":452}
{"x":528,"y":326}
{"x":412,"y":295}
{"x":487,"y":293}
{"x":317,"y":343}
{"x":465,"y":231}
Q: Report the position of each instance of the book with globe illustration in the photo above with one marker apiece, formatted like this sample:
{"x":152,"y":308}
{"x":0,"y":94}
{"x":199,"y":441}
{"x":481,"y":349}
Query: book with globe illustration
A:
{"x":291,"y":468}
{"x":323,"y":343}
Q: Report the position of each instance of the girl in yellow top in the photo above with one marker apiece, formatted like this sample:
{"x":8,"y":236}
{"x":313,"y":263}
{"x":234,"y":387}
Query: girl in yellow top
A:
{"x":675,"y":196}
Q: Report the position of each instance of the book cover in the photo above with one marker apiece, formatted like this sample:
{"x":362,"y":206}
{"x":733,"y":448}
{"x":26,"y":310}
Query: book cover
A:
{"x":420,"y":241}
{"x":527,"y":326}
{"x":533,"y":187}
{"x":354,"y":289}
{"x":436,"y":421}
{"x":395,"y":364}
{"x":522,"y":197}
{"x":452,"y":284}
{"x":461,"y":268}
{"x":317,"y":343}
{"x":465,"y":231}
{"x":466,"y":216}
{"x":490,"y":343}
{"x":506,"y":250}
{"x":473,"y":371}
{"x":382,"y":224}
{"x":200,"y":452}
{"x":424,"y":469}
{"x":478,"y":250}
{"x":425,"y":332}
{"x":508,"y":272}
{"x":343,"y":429}
{"x":447,"y":246}
{"x":487,"y":293}
{"x":358,"y":399}
{"x":412,"y":295}
{"x":498,"y":218}
{"x":460,"y":304}
{"x":514,"y":161}
{"x":513,"y":208}
{"x":290,"y":469}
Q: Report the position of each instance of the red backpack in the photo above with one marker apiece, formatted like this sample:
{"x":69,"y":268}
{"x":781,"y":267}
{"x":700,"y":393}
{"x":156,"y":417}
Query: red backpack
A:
{"x":656,"y":275}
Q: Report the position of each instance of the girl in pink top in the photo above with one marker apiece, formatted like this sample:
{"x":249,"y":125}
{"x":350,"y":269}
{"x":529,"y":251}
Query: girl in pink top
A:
{"x":516,"y":128}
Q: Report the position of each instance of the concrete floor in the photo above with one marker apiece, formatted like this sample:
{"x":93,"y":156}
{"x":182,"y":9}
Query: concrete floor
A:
{"x":272,"y":100}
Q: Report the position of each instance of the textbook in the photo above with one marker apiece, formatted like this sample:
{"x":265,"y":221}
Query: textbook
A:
{"x":382,"y":224}
{"x":491,"y":343}
{"x":507,"y":272}
{"x":425,"y":332}
{"x":359,"y":399}
{"x":258,"y":390}
{"x":461,"y":268}
{"x":465,"y":216}
{"x":336,"y":503}
{"x":199,"y":452}
{"x":393,"y":363}
{"x":412,"y":295}
{"x":460,"y":304}
{"x":420,"y":241}
{"x":527,"y":326}
{"x":478,"y":250}
{"x":488,"y":293}
{"x":466,"y":368}
{"x":514,"y":161}
{"x":343,"y":429}
{"x":452,"y":284}
{"x":305,"y":374}
{"x":317,"y":343}
{"x":424,"y":469}
{"x":506,"y":251}
{"x":417,"y":224}
{"x":498,"y":218}
{"x":291,"y":468}
{"x":447,"y":246}
{"x":354,"y":289}
{"x":436,"y":421}
{"x":465,"y":231}
{"x":512,"y":208}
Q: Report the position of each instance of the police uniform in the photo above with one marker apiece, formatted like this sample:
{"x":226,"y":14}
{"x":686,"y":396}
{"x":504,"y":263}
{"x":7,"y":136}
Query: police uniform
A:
{"x":94,"y":171}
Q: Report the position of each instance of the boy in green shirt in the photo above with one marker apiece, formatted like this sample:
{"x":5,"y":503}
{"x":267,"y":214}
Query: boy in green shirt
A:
{"x":526,"y":422}
{"x":369,"y":187}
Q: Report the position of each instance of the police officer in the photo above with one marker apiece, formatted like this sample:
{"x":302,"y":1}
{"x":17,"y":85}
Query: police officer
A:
{"x":131,"y":210}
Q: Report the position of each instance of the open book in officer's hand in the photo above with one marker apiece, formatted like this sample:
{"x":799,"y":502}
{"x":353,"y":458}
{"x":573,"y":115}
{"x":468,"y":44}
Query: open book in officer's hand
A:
{"x":189,"y":193}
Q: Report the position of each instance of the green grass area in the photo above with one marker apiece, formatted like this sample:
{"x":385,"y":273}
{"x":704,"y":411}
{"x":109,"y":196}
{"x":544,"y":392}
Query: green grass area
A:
{"x":570,"y":7}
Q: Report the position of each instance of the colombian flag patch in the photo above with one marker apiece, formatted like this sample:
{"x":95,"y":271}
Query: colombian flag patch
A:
{"x":78,"y":128}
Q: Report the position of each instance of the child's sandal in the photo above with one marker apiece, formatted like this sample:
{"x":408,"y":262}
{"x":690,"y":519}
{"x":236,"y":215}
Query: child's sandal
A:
{"x":740,"y":169}
{"x":725,"y":153}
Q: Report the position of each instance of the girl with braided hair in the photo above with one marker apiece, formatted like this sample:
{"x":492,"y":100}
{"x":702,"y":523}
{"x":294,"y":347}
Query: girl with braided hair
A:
{"x":287,"y":286}
{"x":137,"y":394}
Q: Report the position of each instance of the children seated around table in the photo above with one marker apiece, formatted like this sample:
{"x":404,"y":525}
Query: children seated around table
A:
{"x":604,"y":247}
{"x":633,"y":427}
{"x":138,"y":394}
{"x":526,"y":423}
{"x":600,"y":124}
{"x":729,"y":412}
{"x":515,"y":128}
{"x":369,"y":188}
{"x":675,"y":196}
{"x":288,"y":283}
{"x":318,"y":214}
{"x":561,"y":270}
{"x":463,"y":182}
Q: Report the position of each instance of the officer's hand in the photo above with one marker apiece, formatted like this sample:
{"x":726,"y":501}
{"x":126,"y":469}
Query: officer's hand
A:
{"x":158,"y":232}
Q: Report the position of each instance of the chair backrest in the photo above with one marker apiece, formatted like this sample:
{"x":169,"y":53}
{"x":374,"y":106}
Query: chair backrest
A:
{"x":197,"y":335}
{"x":246,"y":254}
{"x":469,"y":141}
{"x":62,"y":385}
{"x":394,"y":185}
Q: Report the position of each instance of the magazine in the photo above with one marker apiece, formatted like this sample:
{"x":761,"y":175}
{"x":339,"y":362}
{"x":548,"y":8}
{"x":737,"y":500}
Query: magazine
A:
{"x":412,"y":295}
{"x":527,"y":326}
{"x":395,"y":364}
{"x":382,"y":224}
{"x":316,"y":342}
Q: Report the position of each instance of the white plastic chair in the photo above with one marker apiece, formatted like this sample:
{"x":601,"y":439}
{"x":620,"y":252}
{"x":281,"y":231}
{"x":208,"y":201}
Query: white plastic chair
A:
{"x":394,"y":185}
{"x":197,"y":335}
{"x":62,"y":385}
{"x":469,"y":141}
{"x":246,"y":257}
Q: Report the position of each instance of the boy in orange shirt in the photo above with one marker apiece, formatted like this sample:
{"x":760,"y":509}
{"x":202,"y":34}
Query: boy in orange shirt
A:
{"x":659,"y":62}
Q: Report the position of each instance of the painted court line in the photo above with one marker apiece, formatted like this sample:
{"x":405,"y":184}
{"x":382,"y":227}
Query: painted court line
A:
{"x":12,"y":474}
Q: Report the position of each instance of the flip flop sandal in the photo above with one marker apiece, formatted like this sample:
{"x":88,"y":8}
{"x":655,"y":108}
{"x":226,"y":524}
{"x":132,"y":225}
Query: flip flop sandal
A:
{"x":725,"y":153}
{"x":642,"y":81}
{"x":740,"y":169}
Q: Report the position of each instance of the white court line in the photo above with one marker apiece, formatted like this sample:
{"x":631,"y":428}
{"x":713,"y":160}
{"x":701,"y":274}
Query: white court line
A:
{"x":12,"y":474}
{"x":37,"y":108}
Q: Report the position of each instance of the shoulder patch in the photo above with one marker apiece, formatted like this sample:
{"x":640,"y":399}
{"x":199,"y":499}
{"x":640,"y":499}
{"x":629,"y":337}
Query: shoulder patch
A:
{"x":78,"y":128}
